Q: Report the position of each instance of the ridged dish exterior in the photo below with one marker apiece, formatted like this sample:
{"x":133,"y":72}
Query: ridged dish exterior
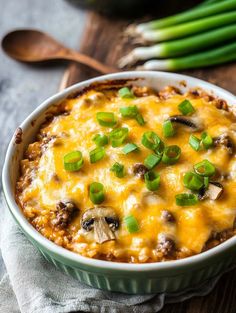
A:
{"x":175,"y":277}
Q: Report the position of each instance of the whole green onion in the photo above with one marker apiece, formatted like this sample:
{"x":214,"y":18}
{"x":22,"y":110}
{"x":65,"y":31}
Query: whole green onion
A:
{"x":193,"y":181}
{"x":106,"y":119}
{"x":216,"y":55}
{"x":131,"y":224}
{"x":189,"y":15}
{"x":73,"y":161}
{"x":189,"y":28}
{"x":152,"y":141}
{"x":186,"y":107}
{"x":168,"y":129}
{"x":152,"y":160}
{"x":205,"y":168}
{"x":126,"y":93}
{"x":118,"y":136}
{"x":171,"y":154}
{"x":186,"y":199}
{"x":100,"y":140}
{"x":194,"y":142}
{"x":118,"y":169}
{"x":97,"y":154}
{"x":130,"y":147}
{"x":181,"y":46}
{"x":207,"y":140}
{"x":152,"y":180}
{"x":96,"y":193}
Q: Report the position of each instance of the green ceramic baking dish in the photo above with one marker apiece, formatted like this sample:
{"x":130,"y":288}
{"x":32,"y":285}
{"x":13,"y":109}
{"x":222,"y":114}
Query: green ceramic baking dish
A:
{"x":170,"y":276}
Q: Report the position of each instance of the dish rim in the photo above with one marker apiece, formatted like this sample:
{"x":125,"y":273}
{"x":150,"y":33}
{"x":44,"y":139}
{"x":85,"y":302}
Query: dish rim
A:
{"x":73,"y":256}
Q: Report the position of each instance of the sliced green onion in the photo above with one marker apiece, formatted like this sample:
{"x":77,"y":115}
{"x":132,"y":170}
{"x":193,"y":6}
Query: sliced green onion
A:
{"x":118,"y":136}
{"x":152,"y":141}
{"x":205,"y":168}
{"x":139,"y":118}
{"x":131,"y":111}
{"x":96,"y":193}
{"x":130,"y":147}
{"x":186,"y":199}
{"x":106,"y":119}
{"x":193,"y":181}
{"x":152,"y":180}
{"x":186,"y":107}
{"x":126,"y":93}
{"x":97,"y":154}
{"x":118,"y":169}
{"x":152,"y":160}
{"x":73,"y":161}
{"x":207,"y":141}
{"x":194,"y":142}
{"x":100,"y":140}
{"x":131,"y":224}
{"x":168,"y":129}
{"x":171,"y":154}
{"x":206,"y":181}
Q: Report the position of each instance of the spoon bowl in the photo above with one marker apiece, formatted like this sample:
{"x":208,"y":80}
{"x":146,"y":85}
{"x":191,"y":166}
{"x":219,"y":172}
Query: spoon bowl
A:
{"x":28,"y":45}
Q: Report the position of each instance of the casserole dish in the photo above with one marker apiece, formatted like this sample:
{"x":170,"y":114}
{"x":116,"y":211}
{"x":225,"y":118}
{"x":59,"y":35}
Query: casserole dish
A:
{"x":169,"y":276}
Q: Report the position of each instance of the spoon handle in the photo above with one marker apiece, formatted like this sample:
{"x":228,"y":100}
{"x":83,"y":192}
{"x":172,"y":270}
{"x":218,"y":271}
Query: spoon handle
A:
{"x":90,"y":62}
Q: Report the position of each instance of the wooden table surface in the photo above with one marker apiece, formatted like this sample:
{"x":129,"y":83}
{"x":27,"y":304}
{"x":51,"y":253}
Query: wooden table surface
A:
{"x":23,"y":87}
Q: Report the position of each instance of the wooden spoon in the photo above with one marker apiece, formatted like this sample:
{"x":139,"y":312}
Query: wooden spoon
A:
{"x":35,"y":46}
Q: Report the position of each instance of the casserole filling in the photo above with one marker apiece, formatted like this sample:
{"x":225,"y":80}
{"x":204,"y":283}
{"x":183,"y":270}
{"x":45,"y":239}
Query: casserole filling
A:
{"x":132,"y":175}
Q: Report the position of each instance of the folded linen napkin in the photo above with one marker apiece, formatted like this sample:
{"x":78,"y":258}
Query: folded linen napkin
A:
{"x":32,"y":285}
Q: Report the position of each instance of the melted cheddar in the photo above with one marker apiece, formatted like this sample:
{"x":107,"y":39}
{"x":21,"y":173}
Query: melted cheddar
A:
{"x":44,"y":181}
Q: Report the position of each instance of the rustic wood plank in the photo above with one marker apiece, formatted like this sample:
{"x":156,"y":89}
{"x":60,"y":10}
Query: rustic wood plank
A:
{"x":102,"y":40}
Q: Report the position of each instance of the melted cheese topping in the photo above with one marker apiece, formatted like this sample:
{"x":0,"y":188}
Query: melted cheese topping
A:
{"x":50,"y":183}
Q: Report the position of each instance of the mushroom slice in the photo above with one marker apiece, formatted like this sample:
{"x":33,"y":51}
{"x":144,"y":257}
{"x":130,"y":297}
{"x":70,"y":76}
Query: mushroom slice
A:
{"x":213,"y":192}
{"x":103,"y":221}
{"x":192,"y":123}
{"x":225,"y":141}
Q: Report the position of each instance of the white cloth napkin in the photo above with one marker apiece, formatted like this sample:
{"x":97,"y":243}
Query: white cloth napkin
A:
{"x":32,"y":285}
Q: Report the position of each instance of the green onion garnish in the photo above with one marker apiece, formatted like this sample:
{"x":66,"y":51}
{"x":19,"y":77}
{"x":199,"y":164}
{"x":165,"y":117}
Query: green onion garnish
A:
{"x":171,"y":154}
{"x":129,"y":111}
{"x":97,"y":154}
{"x":207,"y":141}
{"x":205,"y":168}
{"x":152,"y":141}
{"x":132,"y":112}
{"x":100,"y":140}
{"x":186,"y":199}
{"x":152,"y":180}
{"x":130,"y":147}
{"x":106,"y":119}
{"x":96,"y":193}
{"x":152,"y":160}
{"x":193,"y":181}
{"x":118,"y":136}
{"x":73,"y":161}
{"x":168,"y":129}
{"x":131,"y":224}
{"x":206,"y":181}
{"x":118,"y":169}
{"x":186,"y":107}
{"x":194,"y":142}
{"x":139,"y":118}
{"x":126,"y":93}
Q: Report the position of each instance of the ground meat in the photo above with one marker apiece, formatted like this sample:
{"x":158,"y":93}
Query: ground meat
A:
{"x":140,"y":170}
{"x":166,"y":245}
{"x":18,"y":135}
{"x":221,"y":104}
{"x":225,"y":141}
{"x":168,"y":92}
{"x":64,"y":214}
{"x":142,"y":91}
{"x":167,"y":216}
